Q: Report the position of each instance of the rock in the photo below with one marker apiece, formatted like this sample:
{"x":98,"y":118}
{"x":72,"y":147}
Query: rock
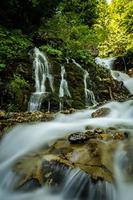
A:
{"x":130,"y":72}
{"x":30,"y":185}
{"x":79,"y":138}
{"x":11,"y":119}
{"x":50,"y":166}
{"x":102,"y":112}
{"x":99,"y":131}
{"x":69,"y":111}
{"x":105,"y":136}
{"x":119,"y":136}
{"x":2,"y":114}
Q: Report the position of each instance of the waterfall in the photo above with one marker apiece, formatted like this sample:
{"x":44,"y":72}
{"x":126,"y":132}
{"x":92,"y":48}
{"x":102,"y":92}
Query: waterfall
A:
{"x":63,"y":91}
{"x":117,"y":75}
{"x":89,"y":95}
{"x":105,"y":62}
{"x":80,"y":186}
{"x":42,"y":73}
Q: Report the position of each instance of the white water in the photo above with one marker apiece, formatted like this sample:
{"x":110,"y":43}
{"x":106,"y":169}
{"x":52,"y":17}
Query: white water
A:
{"x":42,"y":73}
{"x":117,"y":75}
{"x":25,"y":138}
{"x":89,"y":95}
{"x":123,"y":165}
{"x":64,"y":90}
{"x":105,"y":62}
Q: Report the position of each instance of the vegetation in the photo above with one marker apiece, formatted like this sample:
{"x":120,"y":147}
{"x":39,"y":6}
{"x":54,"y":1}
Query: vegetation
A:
{"x":83,"y":26}
{"x":13,"y":44}
{"x":115,"y":27}
{"x":76,"y":29}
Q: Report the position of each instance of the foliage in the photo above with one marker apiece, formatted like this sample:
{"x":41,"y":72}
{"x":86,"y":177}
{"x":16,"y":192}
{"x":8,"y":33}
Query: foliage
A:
{"x":51,"y":50}
{"x":17,"y":85}
{"x":79,"y":41}
{"x":85,"y":9}
{"x":116,"y":29}
{"x":2,"y":66}
{"x":13,"y":44}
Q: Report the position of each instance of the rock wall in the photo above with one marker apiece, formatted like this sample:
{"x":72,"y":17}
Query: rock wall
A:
{"x":16,"y":99}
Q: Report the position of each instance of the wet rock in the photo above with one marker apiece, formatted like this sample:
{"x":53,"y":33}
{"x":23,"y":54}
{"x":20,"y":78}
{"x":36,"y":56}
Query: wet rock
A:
{"x":30,"y":185}
{"x":105,"y":136}
{"x":99,"y":131}
{"x":130,"y":72}
{"x":119,"y":136}
{"x":79,"y":138}
{"x":102,"y":112}
{"x":50,"y":166}
{"x":53,"y":173}
{"x":109,"y":134}
{"x":11,"y":119}
{"x":69,"y":111}
{"x":2,"y":114}
{"x":47,"y":169}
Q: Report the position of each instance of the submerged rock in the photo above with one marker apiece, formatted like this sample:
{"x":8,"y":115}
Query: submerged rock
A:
{"x":102,"y":112}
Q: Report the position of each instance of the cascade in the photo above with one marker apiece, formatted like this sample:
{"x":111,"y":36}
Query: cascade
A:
{"x":26,"y":138}
{"x":117,"y":75}
{"x":42,"y":73}
{"x":63,"y":90}
{"x":105,"y":62}
{"x":89,"y":95}
{"x":123,"y":168}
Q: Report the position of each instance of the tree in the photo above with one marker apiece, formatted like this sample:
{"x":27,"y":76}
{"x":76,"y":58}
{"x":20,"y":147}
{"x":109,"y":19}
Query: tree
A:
{"x":118,"y":40}
{"x":26,"y":14}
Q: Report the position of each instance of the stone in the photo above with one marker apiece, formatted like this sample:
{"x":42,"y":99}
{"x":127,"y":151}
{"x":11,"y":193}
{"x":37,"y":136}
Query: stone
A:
{"x":102,"y":112}
{"x":50,"y":166}
{"x":2,"y":114}
{"x":79,"y":138}
{"x":98,"y":130}
{"x":130,"y":72}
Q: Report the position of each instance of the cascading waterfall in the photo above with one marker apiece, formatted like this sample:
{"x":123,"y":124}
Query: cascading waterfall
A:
{"x":119,"y":76}
{"x":26,"y":138}
{"x":63,"y":91}
{"x":89,"y":95}
{"x":42,"y":72}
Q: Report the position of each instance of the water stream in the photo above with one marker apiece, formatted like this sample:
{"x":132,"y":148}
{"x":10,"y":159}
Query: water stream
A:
{"x":26,"y":138}
{"x":77,"y":185}
{"x":42,"y":73}
{"x":117,"y":75}
{"x":64,"y":90}
{"x":89,"y":94}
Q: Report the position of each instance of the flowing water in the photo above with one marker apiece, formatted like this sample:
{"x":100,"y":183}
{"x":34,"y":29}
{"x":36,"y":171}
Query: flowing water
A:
{"x":89,"y":95}
{"x":117,"y":75}
{"x":42,"y":73}
{"x":105,"y":62}
{"x":64,"y":90}
{"x":77,"y":185}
